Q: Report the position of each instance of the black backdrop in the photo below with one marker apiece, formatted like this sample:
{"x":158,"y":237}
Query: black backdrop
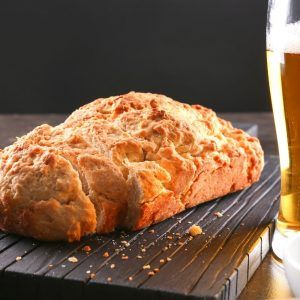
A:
{"x":59,"y":54}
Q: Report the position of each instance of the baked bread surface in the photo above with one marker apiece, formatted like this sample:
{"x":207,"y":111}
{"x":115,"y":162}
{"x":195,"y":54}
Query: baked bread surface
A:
{"x":126,"y":161}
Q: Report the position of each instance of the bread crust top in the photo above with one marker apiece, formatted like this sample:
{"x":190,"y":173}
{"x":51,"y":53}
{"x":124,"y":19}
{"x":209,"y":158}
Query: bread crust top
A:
{"x":139,"y":145}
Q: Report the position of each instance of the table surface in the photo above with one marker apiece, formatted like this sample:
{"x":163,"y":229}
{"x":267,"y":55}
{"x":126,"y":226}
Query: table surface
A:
{"x":269,"y":281}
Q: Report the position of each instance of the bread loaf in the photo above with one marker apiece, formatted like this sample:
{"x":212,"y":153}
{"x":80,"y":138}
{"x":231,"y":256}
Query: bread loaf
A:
{"x":122,"y":162}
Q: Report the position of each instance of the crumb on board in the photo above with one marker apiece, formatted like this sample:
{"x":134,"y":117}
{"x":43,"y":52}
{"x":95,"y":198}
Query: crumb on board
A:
{"x":105,"y":254}
{"x":87,"y":248}
{"x":146,"y":267}
{"x":162,"y":261}
{"x":92,"y":275}
{"x":50,"y":266}
{"x":143,"y":250}
{"x":156,"y":270}
{"x":112,"y":266}
{"x":169,"y":237}
{"x":151,"y":273}
{"x":88,"y":272}
{"x":109,"y":279}
{"x":195,"y":230}
{"x":18,"y":258}
{"x":169,"y":258}
{"x":151,"y":231}
{"x":130,"y":278}
{"x":139,"y":256}
{"x":218,"y":214}
{"x":124,"y":257}
{"x":73,"y":259}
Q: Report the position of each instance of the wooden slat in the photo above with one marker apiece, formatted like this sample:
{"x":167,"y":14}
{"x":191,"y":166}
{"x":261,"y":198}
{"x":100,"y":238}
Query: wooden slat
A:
{"x":7,"y":241}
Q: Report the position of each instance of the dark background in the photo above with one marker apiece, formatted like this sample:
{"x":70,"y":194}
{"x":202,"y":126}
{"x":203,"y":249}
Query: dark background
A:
{"x":57,"y":55}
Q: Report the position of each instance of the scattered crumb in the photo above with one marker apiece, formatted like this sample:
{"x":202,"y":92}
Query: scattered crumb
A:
{"x":195,"y":230}
{"x":177,"y":234}
{"x":146,"y":267}
{"x":105,"y":254}
{"x":180,"y":243}
{"x":143,"y":250}
{"x":125,"y":243}
{"x":88,"y":272}
{"x":169,"y":237}
{"x":130,"y":278}
{"x":63,"y":266}
{"x":124,"y":257}
{"x":169,"y":258}
{"x":87,"y":248}
{"x":151,"y":273}
{"x":139,"y":256}
{"x":18,"y":258}
{"x":73,"y":259}
{"x":162,"y":261}
{"x":109,"y":279}
{"x":190,"y":222}
{"x":190,"y":238}
{"x":165,"y":248}
{"x":218,"y":214}
{"x":93,"y":275}
{"x":50,"y":266}
{"x":112,"y":266}
{"x":151,"y":231}
{"x":156,"y":270}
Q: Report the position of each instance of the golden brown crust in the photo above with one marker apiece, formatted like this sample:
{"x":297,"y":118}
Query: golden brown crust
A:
{"x":130,"y":161}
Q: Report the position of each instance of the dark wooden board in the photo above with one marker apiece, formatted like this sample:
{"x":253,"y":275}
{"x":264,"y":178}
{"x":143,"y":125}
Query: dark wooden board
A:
{"x":215,"y":265}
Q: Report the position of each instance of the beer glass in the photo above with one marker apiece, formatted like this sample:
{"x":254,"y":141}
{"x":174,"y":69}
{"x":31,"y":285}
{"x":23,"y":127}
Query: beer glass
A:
{"x":283,"y":58}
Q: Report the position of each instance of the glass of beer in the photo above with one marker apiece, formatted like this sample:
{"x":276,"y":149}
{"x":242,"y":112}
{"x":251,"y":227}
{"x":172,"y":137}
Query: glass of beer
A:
{"x":283,"y":58}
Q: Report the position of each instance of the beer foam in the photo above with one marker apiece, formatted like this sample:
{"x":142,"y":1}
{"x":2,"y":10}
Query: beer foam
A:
{"x":284,"y":38}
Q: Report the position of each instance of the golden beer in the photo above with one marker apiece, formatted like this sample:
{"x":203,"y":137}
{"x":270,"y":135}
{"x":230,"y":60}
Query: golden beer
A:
{"x":284,"y":79}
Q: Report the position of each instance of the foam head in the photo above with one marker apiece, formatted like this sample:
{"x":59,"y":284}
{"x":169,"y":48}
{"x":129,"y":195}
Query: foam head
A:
{"x":285,"y":38}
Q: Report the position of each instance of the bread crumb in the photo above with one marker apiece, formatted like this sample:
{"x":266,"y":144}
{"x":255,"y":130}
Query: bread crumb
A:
{"x":125,"y":243}
{"x":50,"y":266}
{"x":109,"y":279}
{"x":180,"y":243}
{"x":112,"y":266}
{"x":124,"y":257}
{"x":151,"y":231}
{"x":105,"y":254}
{"x":146,"y":267}
{"x":195,"y":230}
{"x":218,"y":214}
{"x":143,"y":250}
{"x":130,"y":278}
{"x":18,"y":258}
{"x":139,"y":256}
{"x":162,"y":261}
{"x":156,"y":270}
{"x":73,"y":259}
{"x":169,"y":237}
{"x":151,"y":273}
{"x":169,"y":258}
{"x":177,"y":234}
{"x":165,"y":248}
{"x":93,"y":275}
{"x":87,"y":248}
{"x":88,"y":272}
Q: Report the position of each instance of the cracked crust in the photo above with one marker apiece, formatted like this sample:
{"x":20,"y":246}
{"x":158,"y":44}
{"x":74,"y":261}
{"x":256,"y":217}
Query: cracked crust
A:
{"x":125,"y":161}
